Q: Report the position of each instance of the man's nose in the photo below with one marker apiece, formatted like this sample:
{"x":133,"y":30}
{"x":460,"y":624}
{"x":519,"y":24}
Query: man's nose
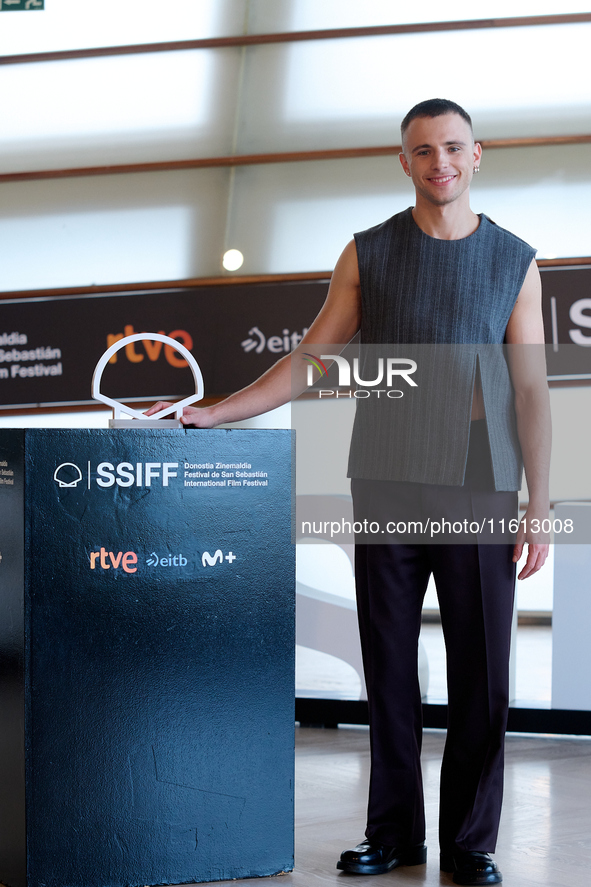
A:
{"x":439,"y":158}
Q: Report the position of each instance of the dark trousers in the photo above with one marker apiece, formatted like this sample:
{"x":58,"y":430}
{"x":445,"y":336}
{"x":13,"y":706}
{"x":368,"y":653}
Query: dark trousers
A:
{"x":475,"y":585}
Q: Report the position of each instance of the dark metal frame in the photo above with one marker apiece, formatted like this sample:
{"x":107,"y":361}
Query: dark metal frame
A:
{"x":332,"y":712}
{"x":225,"y":280}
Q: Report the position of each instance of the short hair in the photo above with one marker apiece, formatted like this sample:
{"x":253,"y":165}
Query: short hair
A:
{"x":435,"y":108}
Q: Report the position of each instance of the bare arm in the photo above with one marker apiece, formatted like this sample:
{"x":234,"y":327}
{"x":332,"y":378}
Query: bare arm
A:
{"x":532,"y":406}
{"x":336,"y":324}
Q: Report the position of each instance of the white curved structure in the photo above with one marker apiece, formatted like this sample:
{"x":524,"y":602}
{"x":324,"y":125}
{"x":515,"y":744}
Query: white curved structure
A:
{"x":118,"y":408}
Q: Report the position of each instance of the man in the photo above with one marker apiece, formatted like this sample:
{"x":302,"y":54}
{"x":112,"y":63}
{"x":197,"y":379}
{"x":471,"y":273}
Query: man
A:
{"x":435,"y":273}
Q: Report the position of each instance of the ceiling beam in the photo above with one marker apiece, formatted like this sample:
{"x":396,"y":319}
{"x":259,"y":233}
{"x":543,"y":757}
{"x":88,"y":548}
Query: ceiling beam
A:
{"x":297,"y":36}
{"x":225,"y":280}
{"x":278,"y":157}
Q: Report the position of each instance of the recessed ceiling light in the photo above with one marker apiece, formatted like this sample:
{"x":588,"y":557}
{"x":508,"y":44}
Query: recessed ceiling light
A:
{"x":232,"y":260}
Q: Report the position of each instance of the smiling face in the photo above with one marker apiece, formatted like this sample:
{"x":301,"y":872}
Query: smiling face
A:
{"x":439,"y":154}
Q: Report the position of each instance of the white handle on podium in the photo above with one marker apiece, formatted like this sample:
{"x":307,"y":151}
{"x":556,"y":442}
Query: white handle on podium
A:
{"x":157,"y":420}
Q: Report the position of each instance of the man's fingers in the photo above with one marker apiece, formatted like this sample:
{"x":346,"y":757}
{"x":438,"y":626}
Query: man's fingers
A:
{"x":161,"y":405}
{"x":528,"y":568}
{"x":197,"y":417}
{"x":532,"y":566}
{"x":536,"y":558}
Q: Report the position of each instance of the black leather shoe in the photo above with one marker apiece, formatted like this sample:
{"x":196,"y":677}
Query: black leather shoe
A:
{"x":373,"y":858}
{"x":471,"y":867}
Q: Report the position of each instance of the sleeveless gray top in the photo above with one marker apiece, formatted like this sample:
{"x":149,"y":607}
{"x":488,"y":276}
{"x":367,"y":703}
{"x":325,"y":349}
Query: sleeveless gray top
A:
{"x":448,"y":303}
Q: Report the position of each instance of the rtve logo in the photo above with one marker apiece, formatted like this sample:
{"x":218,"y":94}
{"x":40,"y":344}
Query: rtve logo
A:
{"x":152,"y":350}
{"x":108,"y":560}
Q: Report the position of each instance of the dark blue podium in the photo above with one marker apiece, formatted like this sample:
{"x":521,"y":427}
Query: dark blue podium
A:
{"x":146,"y":656}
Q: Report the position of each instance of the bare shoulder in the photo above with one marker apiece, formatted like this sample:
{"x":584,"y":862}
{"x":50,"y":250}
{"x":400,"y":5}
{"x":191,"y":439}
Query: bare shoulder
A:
{"x":347,"y":265}
{"x":340,"y":316}
{"x":345,"y":287}
{"x":526,"y":324}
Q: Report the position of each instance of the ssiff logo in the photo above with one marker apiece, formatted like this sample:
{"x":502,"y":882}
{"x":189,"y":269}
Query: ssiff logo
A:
{"x":122,"y":474}
{"x":67,"y":475}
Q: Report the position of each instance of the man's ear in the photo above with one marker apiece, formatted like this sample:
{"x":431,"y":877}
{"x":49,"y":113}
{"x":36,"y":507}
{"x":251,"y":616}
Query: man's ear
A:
{"x":477,"y":153}
{"x":404,"y":163}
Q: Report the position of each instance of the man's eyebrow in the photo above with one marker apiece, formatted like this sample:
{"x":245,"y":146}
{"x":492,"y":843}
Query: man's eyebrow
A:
{"x":451,"y":142}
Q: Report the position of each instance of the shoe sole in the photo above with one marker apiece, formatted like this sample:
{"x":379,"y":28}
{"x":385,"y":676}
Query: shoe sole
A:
{"x":446,"y":865}
{"x":411,"y":857}
{"x":466,"y":881}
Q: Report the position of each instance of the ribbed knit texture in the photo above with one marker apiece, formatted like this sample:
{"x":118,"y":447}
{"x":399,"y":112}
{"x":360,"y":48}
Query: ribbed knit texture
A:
{"x":417,"y":290}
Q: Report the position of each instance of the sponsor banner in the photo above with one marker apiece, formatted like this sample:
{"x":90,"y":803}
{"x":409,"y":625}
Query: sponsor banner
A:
{"x":50,"y":347}
{"x":567,"y":321}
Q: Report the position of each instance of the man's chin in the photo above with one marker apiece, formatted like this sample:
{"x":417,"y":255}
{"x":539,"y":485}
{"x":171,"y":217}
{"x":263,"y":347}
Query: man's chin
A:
{"x":442,"y":200}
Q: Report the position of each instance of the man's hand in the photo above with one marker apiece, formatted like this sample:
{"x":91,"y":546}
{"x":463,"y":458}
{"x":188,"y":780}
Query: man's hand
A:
{"x":527,"y":364}
{"x":193,"y":417}
{"x":538,"y":544}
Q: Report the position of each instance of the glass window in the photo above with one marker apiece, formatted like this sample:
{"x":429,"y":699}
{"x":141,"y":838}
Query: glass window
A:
{"x":331,"y":93}
{"x":542,"y":194}
{"x":72,"y":24}
{"x":112,"y":229}
{"x":306,"y":212}
{"x":310,"y":15}
{"x":121,"y":109}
